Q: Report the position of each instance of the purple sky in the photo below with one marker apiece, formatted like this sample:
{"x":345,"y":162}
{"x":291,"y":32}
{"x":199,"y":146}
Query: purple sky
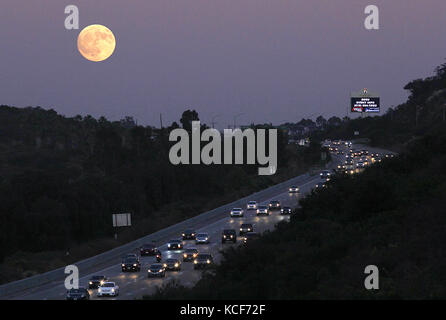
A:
{"x":273,"y":60}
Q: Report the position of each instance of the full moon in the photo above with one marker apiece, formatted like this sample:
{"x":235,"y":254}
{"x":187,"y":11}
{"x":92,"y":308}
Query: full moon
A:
{"x":96,"y":43}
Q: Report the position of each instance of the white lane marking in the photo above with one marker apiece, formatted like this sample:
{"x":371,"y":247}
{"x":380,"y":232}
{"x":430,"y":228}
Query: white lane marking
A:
{"x":223,"y":220}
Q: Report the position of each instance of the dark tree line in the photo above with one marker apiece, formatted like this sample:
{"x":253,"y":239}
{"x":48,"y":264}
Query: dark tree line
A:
{"x":62,"y":178}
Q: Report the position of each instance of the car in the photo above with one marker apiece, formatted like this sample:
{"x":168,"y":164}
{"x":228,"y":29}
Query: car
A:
{"x":229,"y":235}
{"x":236,"y":212}
{"x":250,"y":236}
{"x":262,"y":210}
{"x":325,"y":174}
{"x":389,"y":155}
{"x":175,"y":244}
{"x":364,"y":152}
{"x":108,"y":289}
{"x":96,"y":281}
{"x":131,"y":255}
{"x":252,"y":205}
{"x":190,"y":254}
{"x":245,"y":228}
{"x":360,"y":164}
{"x":172,"y":264}
{"x":130,"y":264}
{"x":293,"y":189}
{"x":148,"y":249}
{"x":189,"y":235}
{"x":285,"y":210}
{"x":320,"y":185}
{"x":274,"y":205}
{"x":203,"y":260}
{"x":156,"y":270}
{"x":202,"y":238}
{"x":77,"y":294}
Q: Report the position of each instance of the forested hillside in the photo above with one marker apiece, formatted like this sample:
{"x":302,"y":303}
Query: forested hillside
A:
{"x":62,"y":178}
{"x":393,"y":215}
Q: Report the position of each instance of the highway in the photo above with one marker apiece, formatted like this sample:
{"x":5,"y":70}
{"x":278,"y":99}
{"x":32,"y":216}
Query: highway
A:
{"x":133,"y":285}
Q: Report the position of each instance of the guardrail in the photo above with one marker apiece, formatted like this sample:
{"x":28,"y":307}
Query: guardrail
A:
{"x":15,"y":287}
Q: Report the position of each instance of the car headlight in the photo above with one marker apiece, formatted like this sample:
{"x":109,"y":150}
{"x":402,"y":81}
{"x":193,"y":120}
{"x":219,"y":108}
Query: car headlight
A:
{"x":161,"y":270}
{"x":102,"y":282}
{"x":206,"y":239}
{"x":123,"y":265}
{"x":176,"y":265}
{"x":258,"y":210}
{"x":165,"y":265}
{"x":231,"y":236}
{"x":134,"y":264}
{"x":149,"y":270}
{"x":241,"y":229}
{"x":185,"y":255}
{"x":195,"y":262}
{"x":90,"y":282}
{"x":224,"y":236}
{"x":193,"y":234}
{"x":194,"y":255}
{"x":209,"y":261}
{"x":168,"y":245}
{"x":183,"y":234}
{"x":113,"y":290}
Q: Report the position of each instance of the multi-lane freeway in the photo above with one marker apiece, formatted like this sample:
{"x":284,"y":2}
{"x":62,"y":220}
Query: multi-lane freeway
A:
{"x":133,"y":285}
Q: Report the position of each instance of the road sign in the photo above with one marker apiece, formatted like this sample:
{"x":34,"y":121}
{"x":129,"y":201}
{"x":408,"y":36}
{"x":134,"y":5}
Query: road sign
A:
{"x":364,"y":101}
{"x":122,"y":220}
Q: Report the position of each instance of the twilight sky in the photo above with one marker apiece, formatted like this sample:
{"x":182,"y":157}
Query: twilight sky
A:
{"x":273,"y":60}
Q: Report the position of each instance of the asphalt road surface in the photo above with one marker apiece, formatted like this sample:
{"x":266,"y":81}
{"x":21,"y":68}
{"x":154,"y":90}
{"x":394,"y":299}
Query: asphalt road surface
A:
{"x":134,"y":285}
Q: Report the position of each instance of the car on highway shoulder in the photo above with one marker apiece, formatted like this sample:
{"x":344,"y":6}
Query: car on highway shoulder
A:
{"x":156,"y":270}
{"x":274,"y":205}
{"x":245,"y":228}
{"x":325,"y":174}
{"x":190,"y":254}
{"x":175,"y":244}
{"x":189,"y":234}
{"x":293,"y":189}
{"x":77,"y":294}
{"x":203,"y":260}
{"x":320,"y":185}
{"x":130,"y":264}
{"x":229,"y":235}
{"x":250,"y":236}
{"x":202,"y":238}
{"x":262,"y":210}
{"x":236,"y":212}
{"x":172,"y":264}
{"x":96,"y":281}
{"x":108,"y":289}
{"x":285,"y":210}
{"x":148,"y":249}
{"x":252,"y":205}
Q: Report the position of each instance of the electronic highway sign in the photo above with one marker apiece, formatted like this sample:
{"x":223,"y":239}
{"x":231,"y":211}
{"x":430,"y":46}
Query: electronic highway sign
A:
{"x":364,"y":101}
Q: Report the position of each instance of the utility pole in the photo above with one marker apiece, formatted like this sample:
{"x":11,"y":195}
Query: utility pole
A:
{"x":416,"y":116}
{"x":444,"y":112}
{"x":236,"y":116}
{"x":213,"y":122}
{"x":161,"y":120}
